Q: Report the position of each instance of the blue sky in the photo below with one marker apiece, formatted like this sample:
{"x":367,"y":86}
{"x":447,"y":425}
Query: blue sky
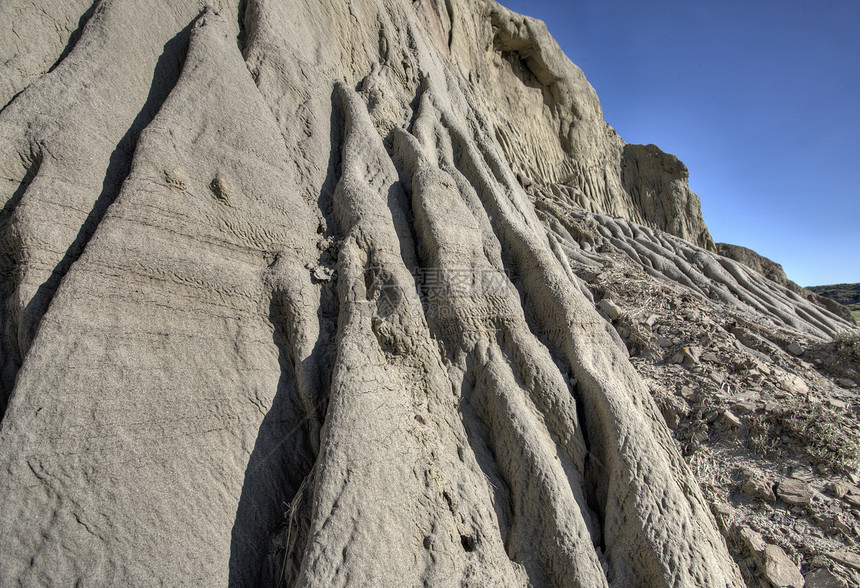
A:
{"x":760,"y":99}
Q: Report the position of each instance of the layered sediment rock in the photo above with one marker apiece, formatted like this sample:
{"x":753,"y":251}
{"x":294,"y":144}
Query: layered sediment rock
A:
{"x":774,"y":272}
{"x":277,"y":307}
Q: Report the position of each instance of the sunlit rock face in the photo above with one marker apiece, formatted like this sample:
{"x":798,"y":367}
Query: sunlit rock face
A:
{"x":286,"y":298}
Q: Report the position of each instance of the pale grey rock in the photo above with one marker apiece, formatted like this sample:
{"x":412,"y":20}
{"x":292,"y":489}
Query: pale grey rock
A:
{"x":277,"y":306}
{"x":838,"y":489}
{"x":852,"y":499}
{"x":688,"y":356}
{"x":836,"y":403}
{"x":794,"y":492}
{"x":790,"y":382}
{"x":37,"y":35}
{"x":794,"y":348}
{"x":705,"y":273}
{"x":756,"y":485}
{"x":845,"y":557}
{"x":658,"y":184}
{"x":802,"y":473}
{"x":773,"y":563}
{"x":724,"y":514}
{"x":766,"y":267}
{"x":571,"y":146}
{"x":731,"y":420}
{"x":824,"y":578}
{"x":745,"y":407}
{"x":773,"y":271}
{"x":610,"y":308}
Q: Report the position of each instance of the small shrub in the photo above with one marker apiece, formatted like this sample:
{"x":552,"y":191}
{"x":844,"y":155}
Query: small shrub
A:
{"x":847,"y":344}
{"x":817,"y":429}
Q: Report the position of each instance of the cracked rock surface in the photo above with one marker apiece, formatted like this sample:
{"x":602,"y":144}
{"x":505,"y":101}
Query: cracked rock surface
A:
{"x":303,"y":293}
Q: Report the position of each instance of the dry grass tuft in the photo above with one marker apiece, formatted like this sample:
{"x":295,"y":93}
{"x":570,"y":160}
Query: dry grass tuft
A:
{"x":814,"y":427}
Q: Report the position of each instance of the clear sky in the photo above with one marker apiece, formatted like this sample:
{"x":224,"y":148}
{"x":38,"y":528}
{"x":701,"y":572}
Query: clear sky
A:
{"x":759,"y":98}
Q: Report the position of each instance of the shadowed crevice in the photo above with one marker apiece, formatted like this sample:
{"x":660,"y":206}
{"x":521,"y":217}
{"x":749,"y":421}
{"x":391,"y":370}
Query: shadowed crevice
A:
{"x":70,"y":45}
{"x":10,"y":354}
{"x":165,"y":77}
{"x":242,"y":37}
{"x":76,"y":34}
{"x":282,"y":459}
{"x":11,"y":100}
{"x":479,"y":439}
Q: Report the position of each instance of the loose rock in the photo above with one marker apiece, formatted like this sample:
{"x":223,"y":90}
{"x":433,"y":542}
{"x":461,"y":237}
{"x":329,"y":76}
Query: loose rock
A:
{"x":794,"y":492}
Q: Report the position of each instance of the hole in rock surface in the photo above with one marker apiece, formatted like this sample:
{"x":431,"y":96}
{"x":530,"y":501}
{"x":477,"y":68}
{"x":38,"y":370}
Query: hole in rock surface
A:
{"x":468,"y":542}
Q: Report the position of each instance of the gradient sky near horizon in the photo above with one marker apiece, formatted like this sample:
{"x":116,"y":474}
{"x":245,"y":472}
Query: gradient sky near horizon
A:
{"x":759,"y":98}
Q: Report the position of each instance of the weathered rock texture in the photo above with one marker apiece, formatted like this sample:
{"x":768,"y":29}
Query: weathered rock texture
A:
{"x":766,"y":267}
{"x":276,"y":306}
{"x":773,"y":271}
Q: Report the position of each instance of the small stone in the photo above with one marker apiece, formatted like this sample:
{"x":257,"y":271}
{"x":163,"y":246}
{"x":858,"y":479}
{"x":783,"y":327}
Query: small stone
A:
{"x":723,"y":513}
{"x":744,"y":407}
{"x":650,"y":355}
{"x":824,"y":578}
{"x":794,"y":349}
{"x":792,"y":383}
{"x":846,"y":383}
{"x":731,"y":420}
{"x":609,"y":308}
{"x":709,"y":356}
{"x":846,"y":558}
{"x":322,"y":274}
{"x":671,"y":414}
{"x":779,"y":570}
{"x":837,"y":489}
{"x":776,"y":567}
{"x":802,"y":474}
{"x":689,"y":394}
{"x":221,"y":189}
{"x":717,"y":377}
{"x":795,"y":492}
{"x":753,"y":540}
{"x":836,"y":403}
{"x":762,"y":367}
{"x":688,"y":356}
{"x":756,"y":487}
{"x":663,"y":341}
{"x":852,"y":499}
{"x":525,"y":181}
{"x":694,"y":351}
{"x":771,"y":406}
{"x":840,"y":525}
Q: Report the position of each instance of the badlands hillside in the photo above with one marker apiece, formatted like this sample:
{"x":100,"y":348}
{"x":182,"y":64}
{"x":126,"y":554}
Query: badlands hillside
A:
{"x":846,"y":294}
{"x":367,"y":293}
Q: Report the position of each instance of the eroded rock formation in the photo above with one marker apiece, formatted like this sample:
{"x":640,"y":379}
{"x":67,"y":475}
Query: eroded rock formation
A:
{"x":774,"y":272}
{"x":277,"y":306}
